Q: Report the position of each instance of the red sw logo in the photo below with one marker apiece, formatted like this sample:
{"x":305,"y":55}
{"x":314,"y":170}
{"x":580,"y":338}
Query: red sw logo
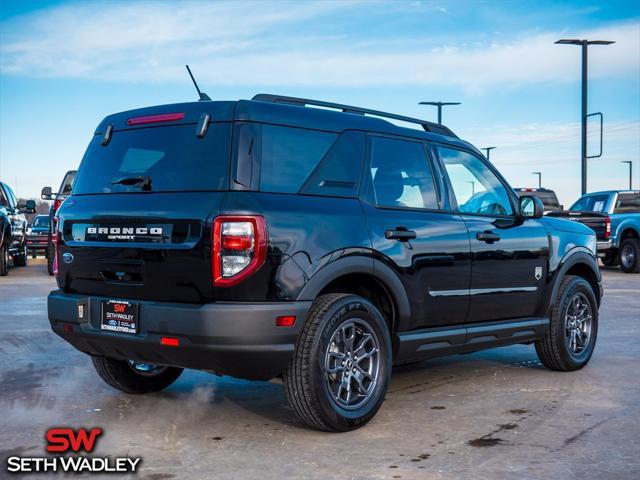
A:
{"x":65,"y":439}
{"x":119,"y":307}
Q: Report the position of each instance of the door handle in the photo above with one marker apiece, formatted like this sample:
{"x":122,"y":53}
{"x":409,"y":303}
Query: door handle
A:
{"x":400,"y":233}
{"x":488,"y":237}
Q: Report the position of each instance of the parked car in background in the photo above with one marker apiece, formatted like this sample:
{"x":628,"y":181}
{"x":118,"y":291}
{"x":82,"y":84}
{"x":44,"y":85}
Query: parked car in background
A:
{"x":38,"y":235}
{"x":13,"y":229}
{"x":615,"y":217}
{"x":546,"y":196}
{"x":63,"y":192}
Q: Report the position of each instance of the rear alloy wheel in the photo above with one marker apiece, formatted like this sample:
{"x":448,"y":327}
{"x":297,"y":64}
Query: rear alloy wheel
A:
{"x":573,"y":327}
{"x":630,"y":255}
{"x":339,"y":374}
{"x":135,"y":377}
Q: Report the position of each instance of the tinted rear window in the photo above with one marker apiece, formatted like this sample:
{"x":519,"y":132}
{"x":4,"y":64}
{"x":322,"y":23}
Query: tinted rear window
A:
{"x":591,"y":203}
{"x":548,"y":199}
{"x":173,"y":157}
{"x":627,"y":202}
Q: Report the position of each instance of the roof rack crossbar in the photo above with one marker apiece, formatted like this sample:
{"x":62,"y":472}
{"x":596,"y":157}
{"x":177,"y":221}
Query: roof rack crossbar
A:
{"x":302,"y":102}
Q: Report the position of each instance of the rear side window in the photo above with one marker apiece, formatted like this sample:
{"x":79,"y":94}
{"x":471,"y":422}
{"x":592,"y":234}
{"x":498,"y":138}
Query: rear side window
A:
{"x":173,"y":158}
{"x":628,"y":203}
{"x":289,"y":156}
{"x":401,"y":174}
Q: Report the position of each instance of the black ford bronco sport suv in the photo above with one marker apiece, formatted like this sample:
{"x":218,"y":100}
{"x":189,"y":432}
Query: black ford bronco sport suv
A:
{"x":267,"y":238}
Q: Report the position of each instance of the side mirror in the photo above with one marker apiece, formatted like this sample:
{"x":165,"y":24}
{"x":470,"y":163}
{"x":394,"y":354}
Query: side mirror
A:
{"x":27,"y":207}
{"x":46,"y":193}
{"x":530,"y":207}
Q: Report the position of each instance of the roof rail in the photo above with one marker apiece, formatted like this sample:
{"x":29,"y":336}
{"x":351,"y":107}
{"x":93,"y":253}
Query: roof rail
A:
{"x":302,"y":102}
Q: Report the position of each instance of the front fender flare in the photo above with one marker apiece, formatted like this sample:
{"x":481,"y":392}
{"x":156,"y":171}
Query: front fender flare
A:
{"x":579,"y":255}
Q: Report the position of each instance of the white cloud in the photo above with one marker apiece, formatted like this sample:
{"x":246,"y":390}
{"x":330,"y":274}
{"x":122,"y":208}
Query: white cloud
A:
{"x":247,"y":44}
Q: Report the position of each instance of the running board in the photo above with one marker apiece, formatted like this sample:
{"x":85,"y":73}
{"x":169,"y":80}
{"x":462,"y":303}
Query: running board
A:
{"x":437,"y":341}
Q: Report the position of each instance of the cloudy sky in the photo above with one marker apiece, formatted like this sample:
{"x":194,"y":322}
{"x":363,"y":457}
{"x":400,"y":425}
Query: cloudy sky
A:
{"x":65,"y":65}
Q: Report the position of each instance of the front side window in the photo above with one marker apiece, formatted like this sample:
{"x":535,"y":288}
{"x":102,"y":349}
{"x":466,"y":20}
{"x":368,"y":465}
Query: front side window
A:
{"x":401,"y":174}
{"x":476,"y":188}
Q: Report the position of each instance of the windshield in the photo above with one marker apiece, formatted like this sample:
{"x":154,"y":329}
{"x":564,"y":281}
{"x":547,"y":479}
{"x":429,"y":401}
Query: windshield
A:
{"x":41,"y":222}
{"x":591,"y":203}
{"x":157,"y":159}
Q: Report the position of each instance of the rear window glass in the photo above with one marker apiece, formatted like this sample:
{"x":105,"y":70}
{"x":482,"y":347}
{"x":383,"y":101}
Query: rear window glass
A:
{"x":548,"y":199}
{"x":41,"y":222}
{"x":172,"y":158}
{"x":591,"y":203}
{"x":628,"y":202}
{"x":289,"y":156}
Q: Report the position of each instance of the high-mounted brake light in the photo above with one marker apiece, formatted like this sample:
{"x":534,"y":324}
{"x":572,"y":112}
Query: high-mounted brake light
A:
{"x":239,"y":248}
{"x":607,"y":227}
{"x":163,"y":117}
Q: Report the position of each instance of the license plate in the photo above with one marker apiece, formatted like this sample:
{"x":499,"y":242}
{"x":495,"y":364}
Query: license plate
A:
{"x":119,"y":316}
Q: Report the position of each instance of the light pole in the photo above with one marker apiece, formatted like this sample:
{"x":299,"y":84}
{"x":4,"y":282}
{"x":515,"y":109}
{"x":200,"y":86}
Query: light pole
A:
{"x":439,"y":105}
{"x":584,"y":44}
{"x":539,"y":178}
{"x":473,"y":187}
{"x":488,"y":151}
{"x":630,"y":173}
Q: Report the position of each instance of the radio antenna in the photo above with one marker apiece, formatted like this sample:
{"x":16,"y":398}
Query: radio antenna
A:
{"x":203,"y":96}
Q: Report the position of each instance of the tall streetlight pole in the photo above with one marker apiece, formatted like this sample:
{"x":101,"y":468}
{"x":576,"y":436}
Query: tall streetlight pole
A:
{"x":584,"y":44}
{"x":488,"y":151}
{"x":539,"y":178}
{"x":630,"y":173}
{"x":439,"y":105}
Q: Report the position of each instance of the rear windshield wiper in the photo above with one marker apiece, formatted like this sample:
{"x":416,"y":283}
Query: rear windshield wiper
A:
{"x":142,"y":181}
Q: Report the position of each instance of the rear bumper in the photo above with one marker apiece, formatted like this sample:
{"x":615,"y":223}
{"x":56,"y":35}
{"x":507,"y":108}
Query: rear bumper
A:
{"x":604,"y":245}
{"x":241,"y":340}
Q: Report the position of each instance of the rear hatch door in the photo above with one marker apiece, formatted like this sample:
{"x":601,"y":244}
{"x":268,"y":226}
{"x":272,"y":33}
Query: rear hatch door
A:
{"x":137,"y":225}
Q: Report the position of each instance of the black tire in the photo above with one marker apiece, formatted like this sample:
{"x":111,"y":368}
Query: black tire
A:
{"x":554,"y":347}
{"x":306,"y":382}
{"x":630,"y":255}
{"x":4,"y":260}
{"x":611,"y":259}
{"x":50,"y":254}
{"x":20,"y":259}
{"x":120,"y":374}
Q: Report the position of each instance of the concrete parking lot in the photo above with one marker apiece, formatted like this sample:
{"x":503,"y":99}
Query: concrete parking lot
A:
{"x":493,"y":414}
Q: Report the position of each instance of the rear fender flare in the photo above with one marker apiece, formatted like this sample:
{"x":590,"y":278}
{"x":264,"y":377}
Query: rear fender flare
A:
{"x":363,"y":265}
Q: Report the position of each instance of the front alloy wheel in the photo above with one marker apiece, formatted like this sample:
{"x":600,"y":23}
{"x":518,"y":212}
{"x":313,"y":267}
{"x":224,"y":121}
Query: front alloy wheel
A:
{"x":578,"y":323}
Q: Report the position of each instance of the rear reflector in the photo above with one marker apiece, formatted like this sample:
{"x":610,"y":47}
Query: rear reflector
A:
{"x":286,"y":321}
{"x":67,"y":328}
{"x":163,"y":117}
{"x":170,"y":341}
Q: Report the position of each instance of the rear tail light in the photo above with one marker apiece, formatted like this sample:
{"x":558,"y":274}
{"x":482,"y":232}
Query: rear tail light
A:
{"x":607,"y":227}
{"x":239,"y":248}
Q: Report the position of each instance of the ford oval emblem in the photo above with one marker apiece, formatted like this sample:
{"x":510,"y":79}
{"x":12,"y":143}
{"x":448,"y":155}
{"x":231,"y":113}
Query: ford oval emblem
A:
{"x":67,"y":257}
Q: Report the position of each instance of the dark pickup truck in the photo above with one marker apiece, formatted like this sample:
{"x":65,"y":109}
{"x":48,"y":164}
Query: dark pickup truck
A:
{"x":615,"y":217}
